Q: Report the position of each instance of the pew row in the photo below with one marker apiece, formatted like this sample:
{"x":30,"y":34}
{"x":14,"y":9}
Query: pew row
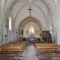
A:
{"x":55,"y":57}
{"x":13,"y":48}
{"x":48,"y":51}
{"x":49,"y":47}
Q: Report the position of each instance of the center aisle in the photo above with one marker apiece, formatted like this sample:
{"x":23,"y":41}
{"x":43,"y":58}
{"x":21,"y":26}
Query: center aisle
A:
{"x":29,"y":53}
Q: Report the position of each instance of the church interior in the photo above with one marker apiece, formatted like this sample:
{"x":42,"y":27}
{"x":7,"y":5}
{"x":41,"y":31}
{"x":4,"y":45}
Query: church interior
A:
{"x":29,"y":29}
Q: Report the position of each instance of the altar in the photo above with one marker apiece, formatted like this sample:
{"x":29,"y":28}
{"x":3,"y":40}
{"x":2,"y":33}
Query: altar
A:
{"x":31,"y":38}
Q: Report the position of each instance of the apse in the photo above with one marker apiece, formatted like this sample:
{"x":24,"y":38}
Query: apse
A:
{"x":31,"y":29}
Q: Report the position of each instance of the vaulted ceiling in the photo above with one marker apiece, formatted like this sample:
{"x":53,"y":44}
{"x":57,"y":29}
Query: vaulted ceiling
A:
{"x":40,"y":11}
{"x":43,"y":10}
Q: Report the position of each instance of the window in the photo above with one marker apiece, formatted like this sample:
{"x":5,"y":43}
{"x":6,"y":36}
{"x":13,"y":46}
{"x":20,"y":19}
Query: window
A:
{"x":10,"y":23}
{"x":31,"y":29}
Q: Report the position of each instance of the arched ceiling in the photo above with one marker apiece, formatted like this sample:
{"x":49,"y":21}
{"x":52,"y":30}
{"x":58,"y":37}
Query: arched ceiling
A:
{"x":37,"y":12}
{"x":22,"y":5}
{"x":37,"y":7}
{"x":49,"y":3}
{"x":29,"y":19}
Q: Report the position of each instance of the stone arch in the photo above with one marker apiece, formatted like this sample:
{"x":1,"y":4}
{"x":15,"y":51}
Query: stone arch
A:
{"x":26,"y":20}
{"x":30,"y":19}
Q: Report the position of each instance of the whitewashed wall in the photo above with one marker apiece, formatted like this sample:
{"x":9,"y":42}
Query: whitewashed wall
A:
{"x":2,"y":2}
{"x":0,"y":22}
{"x":58,"y":22}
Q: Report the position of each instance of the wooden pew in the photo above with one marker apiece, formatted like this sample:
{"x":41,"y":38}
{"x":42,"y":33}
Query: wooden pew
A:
{"x":14,"y":47}
{"x":11,"y":49}
{"x":24,"y":43}
{"x":55,"y":57}
{"x":47,"y":49}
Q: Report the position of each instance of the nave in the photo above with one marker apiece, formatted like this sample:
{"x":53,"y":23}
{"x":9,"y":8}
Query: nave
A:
{"x":23,"y":22}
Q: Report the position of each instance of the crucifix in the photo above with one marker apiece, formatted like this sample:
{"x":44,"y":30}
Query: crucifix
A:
{"x":30,"y":10}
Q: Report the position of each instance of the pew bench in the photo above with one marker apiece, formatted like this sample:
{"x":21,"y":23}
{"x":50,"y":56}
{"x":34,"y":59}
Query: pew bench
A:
{"x":47,"y":49}
{"x":55,"y":57}
{"x":13,"y":48}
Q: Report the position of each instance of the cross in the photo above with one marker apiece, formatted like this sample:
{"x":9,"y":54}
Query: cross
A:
{"x":30,"y":10}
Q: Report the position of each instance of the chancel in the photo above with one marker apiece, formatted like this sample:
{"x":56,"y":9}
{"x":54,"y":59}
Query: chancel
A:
{"x":29,"y":29}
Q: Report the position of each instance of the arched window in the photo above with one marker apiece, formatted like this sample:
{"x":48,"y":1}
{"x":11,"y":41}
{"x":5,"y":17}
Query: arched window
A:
{"x":31,"y":29}
{"x":10,"y":24}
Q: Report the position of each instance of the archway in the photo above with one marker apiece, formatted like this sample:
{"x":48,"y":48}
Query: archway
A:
{"x":27,"y":20}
